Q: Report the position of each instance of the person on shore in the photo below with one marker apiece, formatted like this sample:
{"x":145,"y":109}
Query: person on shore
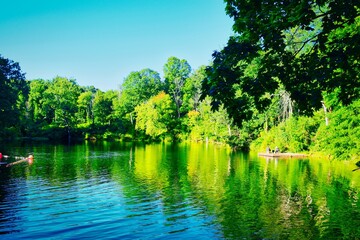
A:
{"x":277,"y":150}
{"x":268,"y":150}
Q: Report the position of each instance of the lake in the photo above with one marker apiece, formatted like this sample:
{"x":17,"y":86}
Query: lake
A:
{"x":101,"y":190}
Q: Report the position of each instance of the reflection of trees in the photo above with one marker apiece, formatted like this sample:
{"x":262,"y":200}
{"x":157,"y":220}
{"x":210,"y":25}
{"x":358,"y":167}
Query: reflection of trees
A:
{"x":243,"y":196}
{"x":305,"y":195}
{"x":207,"y":168}
{"x":161,"y":170}
{"x":278,"y":198}
{"x":257,"y":198}
{"x":148,"y":165}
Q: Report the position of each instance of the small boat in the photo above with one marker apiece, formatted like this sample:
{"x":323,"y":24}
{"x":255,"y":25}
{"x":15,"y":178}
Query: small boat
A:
{"x":282,"y":155}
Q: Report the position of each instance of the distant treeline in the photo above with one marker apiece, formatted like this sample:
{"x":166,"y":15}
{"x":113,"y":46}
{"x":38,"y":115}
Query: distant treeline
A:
{"x":145,"y":107}
{"x":289,"y":77}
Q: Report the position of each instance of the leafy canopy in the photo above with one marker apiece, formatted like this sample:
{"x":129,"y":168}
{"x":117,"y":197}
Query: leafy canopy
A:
{"x":155,"y":116}
{"x":12,"y":85}
{"x":138,"y":87}
{"x":306,"y":46}
{"x":176,"y":72}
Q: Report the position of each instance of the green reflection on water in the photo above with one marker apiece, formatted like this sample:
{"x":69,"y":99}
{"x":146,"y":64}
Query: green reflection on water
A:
{"x":245,"y":196}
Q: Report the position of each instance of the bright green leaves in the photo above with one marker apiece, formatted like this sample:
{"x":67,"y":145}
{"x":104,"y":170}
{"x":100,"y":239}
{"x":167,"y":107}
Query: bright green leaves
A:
{"x":137,"y":87}
{"x":38,"y":105}
{"x":85,"y":107}
{"x":341,"y":138}
{"x":207,"y":125}
{"x":103,"y":106}
{"x":61,"y":96}
{"x":176,"y":72}
{"x":192,"y":90}
{"x":155,"y":116}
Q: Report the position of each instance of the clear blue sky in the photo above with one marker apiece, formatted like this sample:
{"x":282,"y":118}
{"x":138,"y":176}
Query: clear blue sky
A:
{"x":99,"y":42}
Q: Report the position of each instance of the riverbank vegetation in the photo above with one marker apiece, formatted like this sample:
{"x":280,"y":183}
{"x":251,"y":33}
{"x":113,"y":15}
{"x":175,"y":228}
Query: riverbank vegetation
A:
{"x":289,"y":77}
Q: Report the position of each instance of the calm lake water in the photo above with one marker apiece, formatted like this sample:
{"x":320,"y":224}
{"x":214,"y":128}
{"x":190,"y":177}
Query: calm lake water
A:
{"x":183,"y":191}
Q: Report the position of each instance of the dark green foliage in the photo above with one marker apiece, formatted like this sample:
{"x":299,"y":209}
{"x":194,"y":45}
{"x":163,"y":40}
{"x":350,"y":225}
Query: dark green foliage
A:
{"x":223,"y":82}
{"x":307,"y":46}
{"x":12,"y":89}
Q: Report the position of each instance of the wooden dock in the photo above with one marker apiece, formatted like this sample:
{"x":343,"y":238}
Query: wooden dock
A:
{"x":282,"y":155}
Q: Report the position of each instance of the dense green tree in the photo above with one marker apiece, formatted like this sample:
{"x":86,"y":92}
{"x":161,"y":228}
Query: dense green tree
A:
{"x":308,"y":46}
{"x":207,"y":125}
{"x":85,"y":107}
{"x":295,"y":134}
{"x":61,"y":96}
{"x":10,"y":73}
{"x":137,"y":87}
{"x":192,"y":90}
{"x":103,"y":106}
{"x":234,"y":83}
{"x":341,"y":138}
{"x":38,"y":109}
{"x":12,"y":86}
{"x":201,"y":128}
{"x":22,"y":106}
{"x":176,"y":72}
{"x":156,"y":116}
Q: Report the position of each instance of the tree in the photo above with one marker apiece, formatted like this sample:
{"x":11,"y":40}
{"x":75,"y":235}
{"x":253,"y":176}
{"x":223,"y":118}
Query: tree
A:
{"x":155,"y":117}
{"x":12,"y":83}
{"x":192,"y":90}
{"x":176,"y":72}
{"x":341,"y":138}
{"x":234,"y":82}
{"x":39,"y":110}
{"x":103,"y":106}
{"x":207,"y":125}
{"x":307,"y":46}
{"x":85,"y":107}
{"x":61,"y":96}
{"x":137,"y":88}
{"x":11,"y":73}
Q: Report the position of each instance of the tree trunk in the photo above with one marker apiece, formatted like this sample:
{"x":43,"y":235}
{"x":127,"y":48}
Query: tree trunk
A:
{"x":325,"y":111}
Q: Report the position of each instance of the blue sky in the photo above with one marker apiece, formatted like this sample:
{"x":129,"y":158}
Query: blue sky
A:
{"x":99,"y":42}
